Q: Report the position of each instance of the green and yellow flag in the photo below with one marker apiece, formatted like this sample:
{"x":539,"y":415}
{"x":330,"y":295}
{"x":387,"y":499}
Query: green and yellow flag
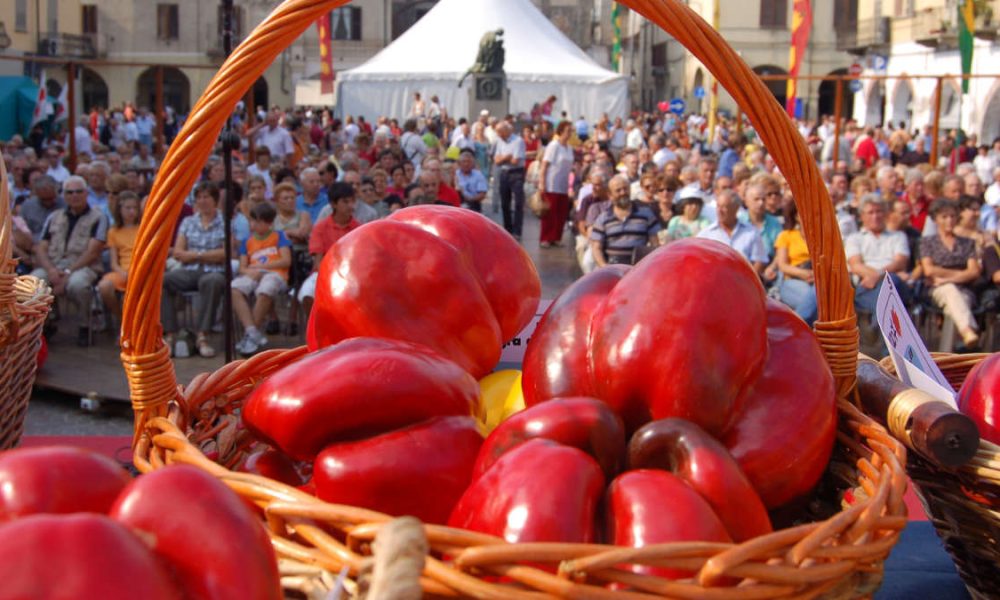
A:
{"x":616,"y":44}
{"x":966,"y":26}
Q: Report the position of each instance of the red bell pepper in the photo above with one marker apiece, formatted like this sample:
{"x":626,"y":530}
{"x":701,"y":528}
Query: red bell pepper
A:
{"x":684,"y":449}
{"x":557,"y":360}
{"x":271,"y":463}
{"x":681,"y":335}
{"x":358,"y":388}
{"x":420,"y":470}
{"x":217,"y":548}
{"x":784,"y":434}
{"x":584,"y":423}
{"x":979,"y":397}
{"x":84,"y":555}
{"x":57,"y":479}
{"x":540,"y":491}
{"x":419,"y":278}
{"x":650,"y":506}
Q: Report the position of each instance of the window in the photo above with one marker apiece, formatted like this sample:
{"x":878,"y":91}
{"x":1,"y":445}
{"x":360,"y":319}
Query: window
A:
{"x":21,"y":15}
{"x":53,"y":15}
{"x":89,"y":20}
{"x":845,"y":15}
{"x":167,"y":22}
{"x":345,"y":23}
{"x":237,"y":23}
{"x":774,"y":14}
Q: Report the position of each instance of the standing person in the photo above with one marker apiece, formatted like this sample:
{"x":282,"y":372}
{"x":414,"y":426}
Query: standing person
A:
{"x":277,"y":139}
{"x":419,"y":108}
{"x":509,"y":156}
{"x":121,"y":241}
{"x":413,"y":146}
{"x":553,"y":184}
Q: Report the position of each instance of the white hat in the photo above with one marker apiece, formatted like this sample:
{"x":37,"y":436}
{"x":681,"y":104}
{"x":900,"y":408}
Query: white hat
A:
{"x":484,"y":113}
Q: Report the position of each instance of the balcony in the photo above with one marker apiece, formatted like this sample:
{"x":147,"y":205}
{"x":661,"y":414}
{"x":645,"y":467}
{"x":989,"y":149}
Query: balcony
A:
{"x":69,"y":45}
{"x":867,"y":34}
{"x":931,"y":27}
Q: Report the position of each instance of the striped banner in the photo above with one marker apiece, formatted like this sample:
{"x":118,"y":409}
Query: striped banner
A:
{"x":326,"y":74}
{"x":801,"y":26}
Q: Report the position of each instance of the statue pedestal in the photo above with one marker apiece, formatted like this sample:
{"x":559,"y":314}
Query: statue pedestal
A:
{"x":489,"y":92}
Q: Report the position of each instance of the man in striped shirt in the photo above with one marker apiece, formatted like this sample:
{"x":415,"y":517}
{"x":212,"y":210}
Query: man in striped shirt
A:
{"x":624,"y":227}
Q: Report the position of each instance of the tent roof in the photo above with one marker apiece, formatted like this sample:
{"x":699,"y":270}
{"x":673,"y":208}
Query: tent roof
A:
{"x":444,"y":44}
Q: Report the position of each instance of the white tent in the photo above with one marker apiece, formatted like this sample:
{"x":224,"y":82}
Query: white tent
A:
{"x":433,"y":55}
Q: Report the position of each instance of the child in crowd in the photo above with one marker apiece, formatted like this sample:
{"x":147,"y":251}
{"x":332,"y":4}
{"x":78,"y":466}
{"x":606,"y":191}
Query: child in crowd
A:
{"x":121,"y":242}
{"x":264,"y":261}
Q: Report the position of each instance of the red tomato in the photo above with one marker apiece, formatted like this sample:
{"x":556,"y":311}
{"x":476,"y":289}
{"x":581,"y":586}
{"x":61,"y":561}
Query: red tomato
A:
{"x":72,"y":557}
{"x":216,"y":546}
{"x":979,"y":397}
{"x":57,"y":479}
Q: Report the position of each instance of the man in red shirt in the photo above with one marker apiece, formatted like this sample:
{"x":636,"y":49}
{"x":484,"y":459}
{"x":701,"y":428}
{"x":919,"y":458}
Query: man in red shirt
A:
{"x":865,"y":149}
{"x":326,"y":233}
{"x":445,"y":193}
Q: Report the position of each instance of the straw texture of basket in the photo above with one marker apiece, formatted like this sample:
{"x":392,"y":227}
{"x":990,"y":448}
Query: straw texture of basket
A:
{"x":24,"y":305}
{"x":962,"y":502}
{"x":839,"y":557}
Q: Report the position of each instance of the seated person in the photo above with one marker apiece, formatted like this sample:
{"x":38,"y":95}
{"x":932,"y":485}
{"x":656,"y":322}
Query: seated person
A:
{"x":623,"y":228}
{"x":264,"y":262}
{"x":798,"y":287}
{"x":326,"y":233}
{"x":950,"y":268}
{"x":742,"y":237}
{"x":688,"y":222}
{"x":200,"y":252}
{"x":121,"y":242}
{"x":874,"y":252}
{"x":68,"y":255}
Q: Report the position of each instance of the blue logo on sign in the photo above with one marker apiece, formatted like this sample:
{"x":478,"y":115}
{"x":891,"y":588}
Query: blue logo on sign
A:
{"x":677,"y":106}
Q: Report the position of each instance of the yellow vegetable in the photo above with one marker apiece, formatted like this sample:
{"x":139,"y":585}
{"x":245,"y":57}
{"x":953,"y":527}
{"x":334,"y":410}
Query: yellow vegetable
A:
{"x":501,"y":397}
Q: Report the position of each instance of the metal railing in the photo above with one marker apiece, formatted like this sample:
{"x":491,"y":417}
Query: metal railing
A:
{"x":71,"y":45}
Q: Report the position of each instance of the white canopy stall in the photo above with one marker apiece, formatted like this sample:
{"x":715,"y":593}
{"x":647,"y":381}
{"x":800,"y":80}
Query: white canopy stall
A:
{"x":433,"y":55}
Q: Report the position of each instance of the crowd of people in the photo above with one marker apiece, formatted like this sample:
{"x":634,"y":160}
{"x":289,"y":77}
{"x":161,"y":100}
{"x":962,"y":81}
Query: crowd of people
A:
{"x":612,"y":189}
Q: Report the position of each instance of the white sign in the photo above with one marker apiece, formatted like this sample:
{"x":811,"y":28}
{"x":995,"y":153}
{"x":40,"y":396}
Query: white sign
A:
{"x":513,"y":351}
{"x":913,"y":362}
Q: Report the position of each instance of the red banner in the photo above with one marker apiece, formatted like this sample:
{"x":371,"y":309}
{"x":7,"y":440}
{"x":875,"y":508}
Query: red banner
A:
{"x":326,"y":75}
{"x":801,"y":26}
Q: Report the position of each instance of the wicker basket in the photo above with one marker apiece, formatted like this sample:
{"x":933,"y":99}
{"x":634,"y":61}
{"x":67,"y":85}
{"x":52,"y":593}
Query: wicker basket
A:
{"x":963,"y":502}
{"x":840,"y":556}
{"x":24,"y":304}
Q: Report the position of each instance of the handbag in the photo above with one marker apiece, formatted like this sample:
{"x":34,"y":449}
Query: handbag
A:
{"x":538,"y":204}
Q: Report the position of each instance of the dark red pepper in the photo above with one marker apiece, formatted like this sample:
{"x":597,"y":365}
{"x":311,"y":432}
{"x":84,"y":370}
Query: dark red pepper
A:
{"x":273,"y":464}
{"x":217,"y":548}
{"x":557,"y":360}
{"x":57,"y":479}
{"x":584,"y":423}
{"x":979,"y":397}
{"x":784,"y":434}
{"x":358,"y":388}
{"x":684,"y":449}
{"x":421,"y":470}
{"x":540,"y":491}
{"x":650,"y":506}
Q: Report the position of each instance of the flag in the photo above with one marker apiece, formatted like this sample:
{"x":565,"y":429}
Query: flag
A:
{"x":62,"y":104}
{"x":801,"y":26}
{"x":616,"y":43}
{"x":43,"y":109}
{"x":326,"y":74}
{"x":966,"y":26}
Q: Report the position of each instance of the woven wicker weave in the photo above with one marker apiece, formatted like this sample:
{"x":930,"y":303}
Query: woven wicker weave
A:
{"x":964,"y":502}
{"x":24,"y":304}
{"x":839,"y":557}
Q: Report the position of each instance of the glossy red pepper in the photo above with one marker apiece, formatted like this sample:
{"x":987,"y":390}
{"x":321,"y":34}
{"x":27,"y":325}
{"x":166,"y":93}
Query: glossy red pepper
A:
{"x":684,"y":449}
{"x":650,"y":506}
{"x":419,"y":278}
{"x":420,"y":470}
{"x":217,"y":548}
{"x":358,"y":388}
{"x":540,"y":491}
{"x":57,"y":479}
{"x":273,"y":464}
{"x":557,"y":360}
{"x":979,"y":397}
{"x":784,"y":434}
{"x":84,"y":555}
{"x":584,"y":423}
{"x":681,"y":335}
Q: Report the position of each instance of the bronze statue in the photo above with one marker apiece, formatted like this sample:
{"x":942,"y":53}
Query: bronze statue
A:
{"x":491,"y":55}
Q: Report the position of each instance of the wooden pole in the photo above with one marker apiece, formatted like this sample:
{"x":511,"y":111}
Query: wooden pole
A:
{"x":71,"y":117}
{"x":160,"y":117}
{"x":838,"y":107}
{"x":937,"y":121}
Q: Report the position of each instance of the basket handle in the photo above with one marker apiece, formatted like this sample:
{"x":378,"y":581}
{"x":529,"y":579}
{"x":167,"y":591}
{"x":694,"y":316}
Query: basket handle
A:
{"x":8,"y":299}
{"x":152,"y":381}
